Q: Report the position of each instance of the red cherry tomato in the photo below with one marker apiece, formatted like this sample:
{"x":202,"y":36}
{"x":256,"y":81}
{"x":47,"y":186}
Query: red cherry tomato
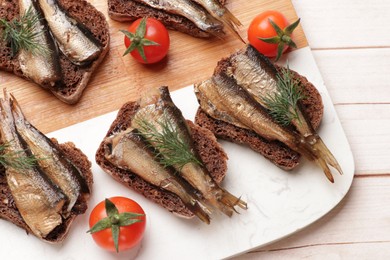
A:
{"x":261,"y":27}
{"x":129,"y":236}
{"x":155,"y":32}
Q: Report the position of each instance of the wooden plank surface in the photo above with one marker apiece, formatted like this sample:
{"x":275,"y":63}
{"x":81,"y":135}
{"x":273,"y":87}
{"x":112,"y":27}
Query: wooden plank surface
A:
{"x":351,"y":46}
{"x":335,"y":24}
{"x":367,"y":127}
{"x":120,"y":79}
{"x":352,"y":52}
{"x":326,"y":251}
{"x":356,"y":76}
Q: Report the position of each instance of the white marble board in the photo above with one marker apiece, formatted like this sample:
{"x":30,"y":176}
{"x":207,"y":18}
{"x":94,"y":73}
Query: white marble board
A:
{"x":279,"y":203}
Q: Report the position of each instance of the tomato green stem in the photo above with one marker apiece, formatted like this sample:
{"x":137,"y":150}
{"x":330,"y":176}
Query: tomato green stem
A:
{"x":282,"y":38}
{"x":114,"y":221}
{"x":138,"y":40}
{"x":287,"y":39}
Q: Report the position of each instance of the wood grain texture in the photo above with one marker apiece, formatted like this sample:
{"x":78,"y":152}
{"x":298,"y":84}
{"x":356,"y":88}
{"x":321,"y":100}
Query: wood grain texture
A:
{"x":120,"y":79}
{"x":356,"y":76}
{"x":351,"y":50}
{"x":367,"y":127}
{"x":345,"y":24}
{"x":351,"y":46}
{"x":358,"y":83}
{"x":364,"y":250}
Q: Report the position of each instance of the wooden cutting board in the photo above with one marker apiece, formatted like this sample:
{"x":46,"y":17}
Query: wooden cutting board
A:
{"x":120,"y":79}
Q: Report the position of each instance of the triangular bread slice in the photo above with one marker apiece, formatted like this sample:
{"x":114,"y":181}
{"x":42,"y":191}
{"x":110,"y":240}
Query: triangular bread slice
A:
{"x":206,"y":144}
{"x":275,"y":151}
{"x":9,"y":211}
{"x":74,"y":78}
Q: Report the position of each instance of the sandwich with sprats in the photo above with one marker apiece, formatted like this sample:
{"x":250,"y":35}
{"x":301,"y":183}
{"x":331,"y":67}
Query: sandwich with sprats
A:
{"x":44,"y":185}
{"x":57,"y":44}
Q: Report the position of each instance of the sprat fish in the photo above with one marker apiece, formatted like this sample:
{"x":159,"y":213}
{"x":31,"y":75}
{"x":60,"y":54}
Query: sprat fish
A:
{"x":129,"y":151}
{"x":222,"y":14}
{"x":42,"y":68}
{"x":39,"y":201}
{"x":223,"y":98}
{"x":254,"y":73}
{"x":74,"y":41}
{"x":191,"y":11}
{"x":158,"y":116}
{"x":54,"y":163}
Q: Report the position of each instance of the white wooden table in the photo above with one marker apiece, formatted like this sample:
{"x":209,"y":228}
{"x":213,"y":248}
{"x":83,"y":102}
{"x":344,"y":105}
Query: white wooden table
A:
{"x":350,"y":40}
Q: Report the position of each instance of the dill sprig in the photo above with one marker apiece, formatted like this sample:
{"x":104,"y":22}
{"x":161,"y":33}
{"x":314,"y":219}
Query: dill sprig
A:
{"x":283,"y":105}
{"x":172,"y":150}
{"x":22,"y":33}
{"x":17,"y":159}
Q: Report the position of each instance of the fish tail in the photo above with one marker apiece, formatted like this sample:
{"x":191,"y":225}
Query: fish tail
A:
{"x":322,"y":163}
{"x":235,"y":31}
{"x":324,"y":153}
{"x":5,"y":105}
{"x":232,"y":23}
{"x":16,"y":107}
{"x":232,"y":201}
{"x":196,"y":206}
{"x":225,"y":202}
{"x":214,"y":202}
{"x":200,"y":211}
{"x":318,"y":152}
{"x":231,"y":17}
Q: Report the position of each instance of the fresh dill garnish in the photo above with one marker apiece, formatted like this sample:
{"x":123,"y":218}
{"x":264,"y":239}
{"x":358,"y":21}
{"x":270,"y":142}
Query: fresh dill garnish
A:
{"x":283,"y":105}
{"x":17,"y":159}
{"x":22,"y":33}
{"x":172,"y":150}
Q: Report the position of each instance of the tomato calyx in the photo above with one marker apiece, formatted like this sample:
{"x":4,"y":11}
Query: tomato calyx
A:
{"x":115,"y":220}
{"x":282,"y":38}
{"x":138,"y":40}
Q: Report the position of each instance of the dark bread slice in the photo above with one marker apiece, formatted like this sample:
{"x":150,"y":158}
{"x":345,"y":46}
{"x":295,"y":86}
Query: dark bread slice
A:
{"x":9,"y":211}
{"x":275,"y":151}
{"x":75,"y":78}
{"x":205,"y":143}
{"x":128,"y":10}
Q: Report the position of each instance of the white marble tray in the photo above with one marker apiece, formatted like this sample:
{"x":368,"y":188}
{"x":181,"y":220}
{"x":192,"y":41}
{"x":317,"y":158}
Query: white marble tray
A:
{"x":279,"y":203}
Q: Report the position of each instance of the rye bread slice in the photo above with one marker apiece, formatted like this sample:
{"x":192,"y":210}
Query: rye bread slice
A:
{"x":74,"y":78}
{"x":275,"y":151}
{"x":9,"y":211}
{"x":205,"y":142}
{"x":129,"y":10}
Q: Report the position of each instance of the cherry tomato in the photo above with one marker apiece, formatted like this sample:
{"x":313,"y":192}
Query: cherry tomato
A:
{"x":149,"y":36}
{"x":271,"y":39}
{"x":129,"y":235}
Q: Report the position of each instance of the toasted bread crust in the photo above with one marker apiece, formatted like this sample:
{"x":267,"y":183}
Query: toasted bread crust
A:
{"x":128,"y":10}
{"x":75,"y":78}
{"x":210,"y":152}
{"x":275,"y":151}
{"x":9,"y":211}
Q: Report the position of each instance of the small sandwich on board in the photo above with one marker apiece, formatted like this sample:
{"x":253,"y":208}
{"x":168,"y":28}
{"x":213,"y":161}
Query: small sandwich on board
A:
{"x":152,"y":149}
{"x":272,"y":109}
{"x":44,"y":185}
{"x":57,"y":44}
{"x":198,"y":18}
